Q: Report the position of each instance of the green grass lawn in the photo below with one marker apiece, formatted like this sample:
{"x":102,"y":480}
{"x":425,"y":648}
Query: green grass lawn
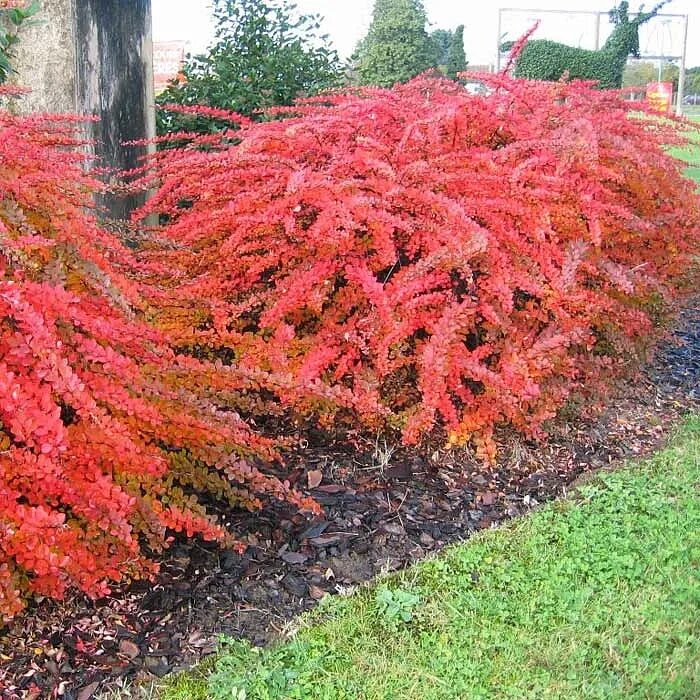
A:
{"x":597,"y":596}
{"x":691,"y":154}
{"x":691,"y":111}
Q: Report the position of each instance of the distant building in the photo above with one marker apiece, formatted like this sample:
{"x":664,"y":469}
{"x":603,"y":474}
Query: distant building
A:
{"x":480,"y":68}
{"x":168,"y":59}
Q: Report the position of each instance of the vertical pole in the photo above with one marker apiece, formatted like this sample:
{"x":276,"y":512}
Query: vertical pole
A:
{"x":681,"y":72}
{"x":661,"y":59}
{"x":597,"y":31}
{"x":498,"y":42}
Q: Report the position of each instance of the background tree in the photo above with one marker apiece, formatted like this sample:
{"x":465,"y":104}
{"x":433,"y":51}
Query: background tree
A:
{"x":397,"y":46}
{"x":265,"y":54}
{"x":442,"y":40}
{"x":692,"y":81}
{"x":640,"y":73}
{"x":456,"y":59}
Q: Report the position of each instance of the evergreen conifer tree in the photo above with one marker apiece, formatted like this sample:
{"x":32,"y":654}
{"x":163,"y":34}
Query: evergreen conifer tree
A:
{"x":442,"y":40}
{"x":397,"y":46}
{"x":456,"y":58}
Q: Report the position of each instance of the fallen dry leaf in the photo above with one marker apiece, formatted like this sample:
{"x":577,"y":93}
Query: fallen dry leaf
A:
{"x":316,"y":593}
{"x":129,"y":649}
{"x":488,"y":498}
{"x":315,"y":478}
{"x":88,"y":691}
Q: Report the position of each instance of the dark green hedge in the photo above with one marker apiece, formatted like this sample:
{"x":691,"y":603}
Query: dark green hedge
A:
{"x":548,"y":60}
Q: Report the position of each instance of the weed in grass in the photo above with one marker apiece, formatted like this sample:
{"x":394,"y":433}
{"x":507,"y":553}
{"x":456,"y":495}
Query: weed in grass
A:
{"x":395,"y":605}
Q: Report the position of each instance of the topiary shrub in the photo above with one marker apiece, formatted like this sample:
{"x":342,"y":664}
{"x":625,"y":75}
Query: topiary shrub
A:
{"x":425,"y":260}
{"x":549,"y":60}
{"x":107,"y":438}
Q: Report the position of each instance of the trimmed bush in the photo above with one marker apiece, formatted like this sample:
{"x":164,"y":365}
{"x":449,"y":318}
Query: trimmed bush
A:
{"x":425,"y":260}
{"x":549,"y":60}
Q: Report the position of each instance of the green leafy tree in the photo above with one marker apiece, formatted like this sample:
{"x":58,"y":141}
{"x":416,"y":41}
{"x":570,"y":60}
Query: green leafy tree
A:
{"x":640,"y":73}
{"x":265,"y":54}
{"x":456,"y":59}
{"x":692,"y":81}
{"x":397,"y":46}
{"x":12,"y":17}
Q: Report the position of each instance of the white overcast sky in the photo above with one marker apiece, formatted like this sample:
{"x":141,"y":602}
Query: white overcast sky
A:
{"x":346,"y":21}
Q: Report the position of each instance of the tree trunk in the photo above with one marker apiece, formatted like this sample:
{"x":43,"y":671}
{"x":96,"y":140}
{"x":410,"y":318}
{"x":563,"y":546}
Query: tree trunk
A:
{"x":95,"y":57}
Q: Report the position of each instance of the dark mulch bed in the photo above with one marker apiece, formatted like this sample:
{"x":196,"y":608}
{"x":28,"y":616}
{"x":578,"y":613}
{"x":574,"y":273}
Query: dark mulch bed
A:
{"x":383,"y":511}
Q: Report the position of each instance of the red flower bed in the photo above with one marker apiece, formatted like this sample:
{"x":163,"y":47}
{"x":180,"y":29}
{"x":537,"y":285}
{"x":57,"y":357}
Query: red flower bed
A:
{"x":424,"y":259}
{"x":106,"y":436}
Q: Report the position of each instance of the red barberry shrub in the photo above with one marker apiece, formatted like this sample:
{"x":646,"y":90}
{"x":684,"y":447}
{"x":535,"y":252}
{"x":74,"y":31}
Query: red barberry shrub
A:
{"x":107,"y":438}
{"x":422,"y":258}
